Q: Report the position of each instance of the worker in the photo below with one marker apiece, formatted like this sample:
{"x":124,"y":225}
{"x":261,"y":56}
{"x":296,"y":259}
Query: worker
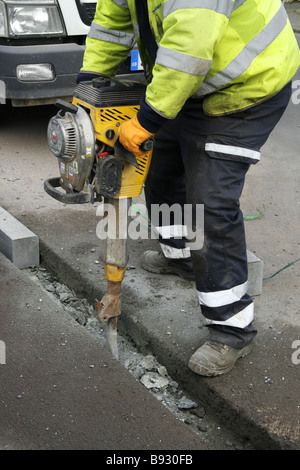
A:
{"x":218,"y":81}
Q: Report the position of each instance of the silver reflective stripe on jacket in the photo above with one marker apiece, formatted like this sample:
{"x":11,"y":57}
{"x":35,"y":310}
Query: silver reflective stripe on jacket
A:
{"x":239,"y":3}
{"x":136,"y":29}
{"x":224,"y":8}
{"x":109,"y":35}
{"x":182,"y":62}
{"x":244,"y":59}
{"x":121,"y":3}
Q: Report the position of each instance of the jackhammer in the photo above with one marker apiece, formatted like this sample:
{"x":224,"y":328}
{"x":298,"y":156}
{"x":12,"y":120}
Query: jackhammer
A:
{"x":94,"y":166}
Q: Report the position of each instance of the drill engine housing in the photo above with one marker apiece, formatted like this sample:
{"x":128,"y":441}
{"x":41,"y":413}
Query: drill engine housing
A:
{"x":84,"y":138}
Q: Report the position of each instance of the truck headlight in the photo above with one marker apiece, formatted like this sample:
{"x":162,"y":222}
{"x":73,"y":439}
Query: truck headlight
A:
{"x":37,"y":19}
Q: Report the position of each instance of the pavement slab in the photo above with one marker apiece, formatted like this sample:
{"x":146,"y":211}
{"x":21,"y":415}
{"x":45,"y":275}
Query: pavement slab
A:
{"x":60,"y":390}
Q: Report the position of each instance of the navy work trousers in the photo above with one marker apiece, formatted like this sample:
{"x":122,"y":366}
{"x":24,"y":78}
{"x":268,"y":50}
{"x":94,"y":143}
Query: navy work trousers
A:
{"x":203,"y":160}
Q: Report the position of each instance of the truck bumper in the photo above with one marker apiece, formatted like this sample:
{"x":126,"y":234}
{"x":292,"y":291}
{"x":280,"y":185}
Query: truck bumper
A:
{"x":66,"y":61}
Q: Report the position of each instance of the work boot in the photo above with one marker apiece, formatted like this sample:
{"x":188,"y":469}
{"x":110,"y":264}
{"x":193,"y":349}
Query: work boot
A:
{"x":215,"y":358}
{"x":156,"y":262}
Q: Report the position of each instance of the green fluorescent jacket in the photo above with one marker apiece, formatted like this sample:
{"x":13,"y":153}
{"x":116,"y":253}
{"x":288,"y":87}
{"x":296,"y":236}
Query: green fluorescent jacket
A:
{"x":232,"y":53}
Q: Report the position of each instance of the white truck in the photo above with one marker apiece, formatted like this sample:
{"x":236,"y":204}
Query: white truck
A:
{"x":41,"y":49}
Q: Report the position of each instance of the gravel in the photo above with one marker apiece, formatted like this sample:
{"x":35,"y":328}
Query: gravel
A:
{"x":146,"y":369}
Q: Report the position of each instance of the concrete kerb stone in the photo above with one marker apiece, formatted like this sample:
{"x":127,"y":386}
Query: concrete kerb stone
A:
{"x":19,"y":244}
{"x":255,"y":274}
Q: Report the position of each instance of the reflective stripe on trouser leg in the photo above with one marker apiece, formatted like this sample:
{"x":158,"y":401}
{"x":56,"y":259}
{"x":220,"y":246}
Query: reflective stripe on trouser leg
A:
{"x":165,"y":185}
{"x":172,"y":241}
{"x":221,"y":278}
{"x":215,"y":269}
{"x":221,"y":267}
{"x":175,"y":253}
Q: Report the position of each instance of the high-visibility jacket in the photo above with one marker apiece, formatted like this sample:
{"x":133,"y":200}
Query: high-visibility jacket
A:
{"x":233,"y":53}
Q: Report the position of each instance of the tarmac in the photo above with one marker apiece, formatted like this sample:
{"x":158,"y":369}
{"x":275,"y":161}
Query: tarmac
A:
{"x":61,"y":390}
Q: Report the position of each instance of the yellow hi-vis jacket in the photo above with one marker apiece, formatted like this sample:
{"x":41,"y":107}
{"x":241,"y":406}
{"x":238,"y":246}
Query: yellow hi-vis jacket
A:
{"x":233,"y":53}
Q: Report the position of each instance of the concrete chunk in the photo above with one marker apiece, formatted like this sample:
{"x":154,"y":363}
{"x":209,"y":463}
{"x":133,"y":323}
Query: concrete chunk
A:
{"x":17,"y":242}
{"x":255,"y":274}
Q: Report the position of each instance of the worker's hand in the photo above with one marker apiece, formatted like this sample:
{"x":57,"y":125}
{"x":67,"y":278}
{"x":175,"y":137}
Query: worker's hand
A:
{"x":132,"y":135}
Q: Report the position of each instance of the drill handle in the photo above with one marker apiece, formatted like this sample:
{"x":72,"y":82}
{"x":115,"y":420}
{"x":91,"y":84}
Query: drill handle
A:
{"x":147,"y":145}
{"x":122,"y":152}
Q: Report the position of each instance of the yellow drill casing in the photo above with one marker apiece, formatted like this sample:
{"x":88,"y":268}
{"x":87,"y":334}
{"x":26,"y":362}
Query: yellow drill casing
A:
{"x":106,"y":122}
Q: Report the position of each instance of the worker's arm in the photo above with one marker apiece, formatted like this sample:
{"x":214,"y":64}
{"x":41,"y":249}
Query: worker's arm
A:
{"x":184,"y":59}
{"x":109,"y":40}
